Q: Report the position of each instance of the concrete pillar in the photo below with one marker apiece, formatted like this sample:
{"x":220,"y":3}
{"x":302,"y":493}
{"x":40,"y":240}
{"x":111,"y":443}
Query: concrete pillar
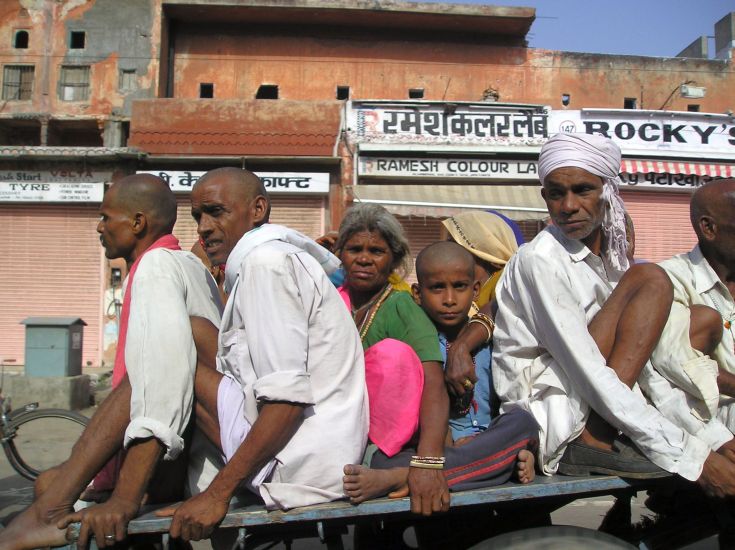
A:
{"x":697,"y":49}
{"x":725,"y":36}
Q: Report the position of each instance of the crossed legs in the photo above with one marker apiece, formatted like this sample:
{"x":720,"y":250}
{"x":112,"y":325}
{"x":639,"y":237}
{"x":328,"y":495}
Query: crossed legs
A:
{"x":626,"y":331}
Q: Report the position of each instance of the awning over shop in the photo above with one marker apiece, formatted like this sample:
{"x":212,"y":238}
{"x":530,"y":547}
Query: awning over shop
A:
{"x":187,"y":127}
{"x":519,"y":202}
{"x":678,"y":167}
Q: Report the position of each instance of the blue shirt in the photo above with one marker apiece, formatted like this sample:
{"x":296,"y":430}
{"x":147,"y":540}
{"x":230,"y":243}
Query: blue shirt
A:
{"x":479,"y":417}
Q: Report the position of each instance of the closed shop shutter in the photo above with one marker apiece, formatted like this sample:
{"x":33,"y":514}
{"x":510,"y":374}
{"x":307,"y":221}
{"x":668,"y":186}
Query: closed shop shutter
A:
{"x":420,"y":232}
{"x":303,"y":214}
{"x":662,"y":226}
{"x":52,"y":266}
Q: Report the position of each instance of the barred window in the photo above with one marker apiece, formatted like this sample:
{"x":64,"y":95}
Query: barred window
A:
{"x":74,"y":83}
{"x":128,"y":80}
{"x":17,"y":82}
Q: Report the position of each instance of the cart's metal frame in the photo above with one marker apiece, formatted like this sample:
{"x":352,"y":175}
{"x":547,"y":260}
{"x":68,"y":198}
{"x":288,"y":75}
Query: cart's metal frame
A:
{"x":328,"y":521}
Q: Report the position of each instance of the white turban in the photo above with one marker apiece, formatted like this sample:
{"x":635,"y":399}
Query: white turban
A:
{"x":600,"y":156}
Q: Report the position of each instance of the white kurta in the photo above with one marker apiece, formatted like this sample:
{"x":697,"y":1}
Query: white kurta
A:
{"x":169,"y":286}
{"x":286,"y":336}
{"x":546,"y":361}
{"x":696,"y":283}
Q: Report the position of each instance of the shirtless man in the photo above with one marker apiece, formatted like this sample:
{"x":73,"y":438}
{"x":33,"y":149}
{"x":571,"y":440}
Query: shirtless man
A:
{"x":576,"y":328}
{"x":150,"y":408}
{"x":287,"y":404}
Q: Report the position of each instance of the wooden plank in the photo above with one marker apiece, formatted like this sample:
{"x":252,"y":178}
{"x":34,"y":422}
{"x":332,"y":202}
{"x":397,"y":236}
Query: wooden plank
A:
{"x":543,"y":487}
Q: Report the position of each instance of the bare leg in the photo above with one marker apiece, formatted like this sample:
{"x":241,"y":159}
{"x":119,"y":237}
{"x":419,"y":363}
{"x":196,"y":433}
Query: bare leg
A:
{"x":626,"y":331}
{"x":36,"y":526}
{"x":705,"y":328}
{"x":58,"y":490}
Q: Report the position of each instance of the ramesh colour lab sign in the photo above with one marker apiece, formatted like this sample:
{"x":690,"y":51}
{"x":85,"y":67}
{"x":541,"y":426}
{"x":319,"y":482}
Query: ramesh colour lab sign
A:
{"x":389,"y":167}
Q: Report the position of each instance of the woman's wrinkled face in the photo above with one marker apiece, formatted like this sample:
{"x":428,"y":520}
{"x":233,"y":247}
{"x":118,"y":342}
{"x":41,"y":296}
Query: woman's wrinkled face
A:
{"x":367,"y":260}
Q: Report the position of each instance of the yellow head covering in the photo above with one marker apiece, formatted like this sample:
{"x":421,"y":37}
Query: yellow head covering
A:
{"x":485,"y":235}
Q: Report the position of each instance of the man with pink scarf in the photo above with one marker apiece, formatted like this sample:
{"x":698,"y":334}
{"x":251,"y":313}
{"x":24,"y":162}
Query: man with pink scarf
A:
{"x":576,"y":326}
{"x":153,"y":376}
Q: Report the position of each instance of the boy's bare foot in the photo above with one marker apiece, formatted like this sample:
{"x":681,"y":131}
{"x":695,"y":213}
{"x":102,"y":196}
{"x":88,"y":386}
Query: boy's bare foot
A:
{"x":34,"y":528}
{"x":525,"y":467}
{"x":361,"y":483}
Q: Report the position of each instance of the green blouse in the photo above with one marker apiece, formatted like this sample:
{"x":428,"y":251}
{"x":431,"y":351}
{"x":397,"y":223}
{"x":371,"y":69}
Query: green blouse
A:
{"x":401,"y":319}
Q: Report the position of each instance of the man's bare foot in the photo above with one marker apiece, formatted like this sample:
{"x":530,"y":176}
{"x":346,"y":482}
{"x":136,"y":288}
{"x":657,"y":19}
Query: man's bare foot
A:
{"x":33,"y":528}
{"x":525,"y":467}
{"x":361,"y":483}
{"x":44,"y":480}
{"x":597,"y":433}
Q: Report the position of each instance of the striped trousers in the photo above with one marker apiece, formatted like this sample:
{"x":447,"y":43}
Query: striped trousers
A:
{"x":486,"y":460}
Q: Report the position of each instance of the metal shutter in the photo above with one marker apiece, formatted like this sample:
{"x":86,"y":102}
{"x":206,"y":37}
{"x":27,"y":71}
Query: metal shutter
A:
{"x":420,"y":232}
{"x":52,"y":266}
{"x":662,"y":226}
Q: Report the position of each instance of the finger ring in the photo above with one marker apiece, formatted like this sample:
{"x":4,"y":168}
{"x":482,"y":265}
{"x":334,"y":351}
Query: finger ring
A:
{"x":468,"y":385}
{"x":109,"y":537}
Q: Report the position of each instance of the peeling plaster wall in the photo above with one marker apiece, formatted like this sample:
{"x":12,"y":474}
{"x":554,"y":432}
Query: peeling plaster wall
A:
{"x":309,"y":63}
{"x":119,"y":35}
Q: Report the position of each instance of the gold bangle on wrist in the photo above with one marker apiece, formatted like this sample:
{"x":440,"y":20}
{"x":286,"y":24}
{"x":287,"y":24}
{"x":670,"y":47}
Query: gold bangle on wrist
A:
{"x":426,"y":466}
{"x":427,"y":462}
{"x":489,"y":328}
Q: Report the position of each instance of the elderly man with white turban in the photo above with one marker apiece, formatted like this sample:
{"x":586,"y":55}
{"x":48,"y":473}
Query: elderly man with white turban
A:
{"x":576,"y":327}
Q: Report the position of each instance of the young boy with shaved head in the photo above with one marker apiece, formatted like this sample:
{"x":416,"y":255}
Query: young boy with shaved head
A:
{"x":153,"y":376}
{"x":481,"y":451}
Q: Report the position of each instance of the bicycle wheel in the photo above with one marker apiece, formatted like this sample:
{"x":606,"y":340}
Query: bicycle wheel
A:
{"x":43,"y":439}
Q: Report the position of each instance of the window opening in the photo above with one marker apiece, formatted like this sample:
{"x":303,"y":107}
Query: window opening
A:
{"x":630,"y":103}
{"x":343,"y":92}
{"x":206,"y":90}
{"x":416,"y":93}
{"x":267,"y":91}
{"x":20,"y":41}
{"x":18,"y":82}
{"x":77,"y":40}
{"x":74,"y":83}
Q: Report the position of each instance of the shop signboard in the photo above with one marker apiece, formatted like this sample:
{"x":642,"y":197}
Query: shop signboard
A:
{"x":653,"y":132}
{"x":63,"y":192}
{"x":181,"y":181}
{"x":669,"y":182}
{"x":503,"y":170}
{"x":392,"y":167}
{"x":446,"y":123}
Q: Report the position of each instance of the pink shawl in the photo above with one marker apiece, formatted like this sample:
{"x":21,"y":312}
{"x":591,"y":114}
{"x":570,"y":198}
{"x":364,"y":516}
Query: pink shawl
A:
{"x":395,"y":381}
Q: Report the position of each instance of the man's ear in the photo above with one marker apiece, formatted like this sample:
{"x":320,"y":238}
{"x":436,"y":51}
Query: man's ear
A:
{"x":476,"y":289}
{"x":416,"y":293}
{"x":260,"y":210}
{"x":543,"y":193}
{"x":707,"y":227}
{"x":140,"y":223}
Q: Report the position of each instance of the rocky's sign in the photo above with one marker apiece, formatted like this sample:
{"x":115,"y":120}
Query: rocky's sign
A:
{"x":653,"y":131}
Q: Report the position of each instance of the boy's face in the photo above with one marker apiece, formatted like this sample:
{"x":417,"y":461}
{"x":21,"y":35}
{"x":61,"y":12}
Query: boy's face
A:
{"x":446,"y":292}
